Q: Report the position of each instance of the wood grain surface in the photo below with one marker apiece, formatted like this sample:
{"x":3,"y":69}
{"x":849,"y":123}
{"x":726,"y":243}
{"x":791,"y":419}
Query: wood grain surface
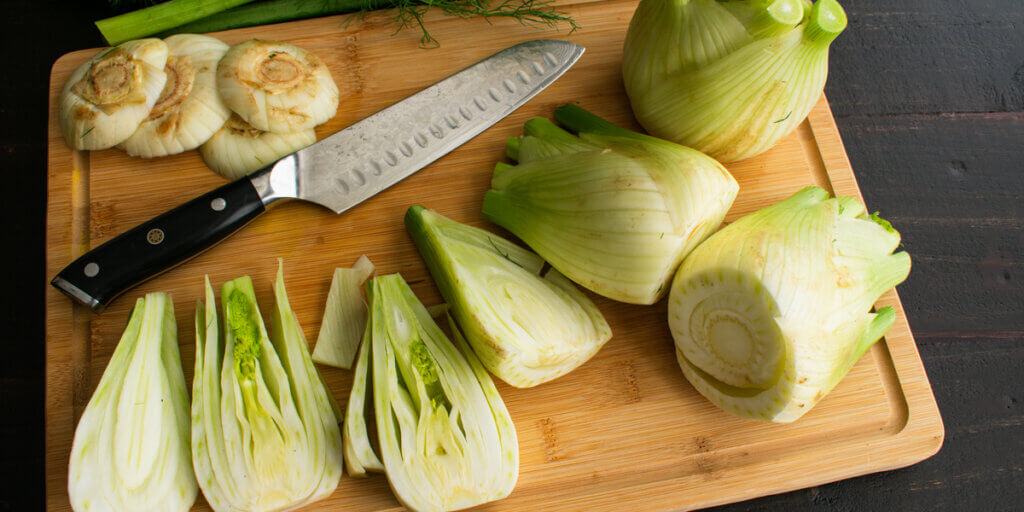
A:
{"x":624,"y":430}
{"x":929,"y":97}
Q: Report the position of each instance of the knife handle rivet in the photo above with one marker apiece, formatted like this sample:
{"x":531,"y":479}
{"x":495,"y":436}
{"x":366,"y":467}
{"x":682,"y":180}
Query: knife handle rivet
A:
{"x":155,"y":236}
{"x":91,"y":269}
{"x":218,"y":204}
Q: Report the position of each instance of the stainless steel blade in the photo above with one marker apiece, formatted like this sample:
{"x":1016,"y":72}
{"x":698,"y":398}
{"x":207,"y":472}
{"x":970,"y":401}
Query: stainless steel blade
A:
{"x":356,"y":163}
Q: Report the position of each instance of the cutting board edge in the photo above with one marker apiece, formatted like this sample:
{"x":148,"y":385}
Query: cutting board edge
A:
{"x":923,"y":425}
{"x":923,"y":416}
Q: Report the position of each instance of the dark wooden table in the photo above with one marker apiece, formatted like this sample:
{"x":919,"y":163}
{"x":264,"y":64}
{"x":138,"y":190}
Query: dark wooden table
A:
{"x":929,"y":97}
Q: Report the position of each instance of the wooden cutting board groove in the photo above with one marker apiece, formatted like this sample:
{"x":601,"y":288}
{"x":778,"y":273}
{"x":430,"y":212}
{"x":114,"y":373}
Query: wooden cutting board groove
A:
{"x":623,"y":432}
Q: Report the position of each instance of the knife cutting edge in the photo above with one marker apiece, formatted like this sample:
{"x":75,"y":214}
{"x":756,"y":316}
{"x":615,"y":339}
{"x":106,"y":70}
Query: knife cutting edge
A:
{"x":338,"y":172}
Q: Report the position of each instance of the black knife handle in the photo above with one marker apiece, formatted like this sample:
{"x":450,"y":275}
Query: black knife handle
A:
{"x":152,"y":247}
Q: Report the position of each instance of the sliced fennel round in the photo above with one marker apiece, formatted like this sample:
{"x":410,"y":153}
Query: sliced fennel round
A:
{"x":277,"y":87}
{"x":526,"y":329}
{"x":265,"y":434}
{"x":728,"y":78}
{"x":189,"y":110}
{"x":238,"y":149}
{"x":107,"y":97}
{"x":613,"y":210}
{"x":131,"y":447}
{"x":771,"y":312}
{"x":446,"y":439}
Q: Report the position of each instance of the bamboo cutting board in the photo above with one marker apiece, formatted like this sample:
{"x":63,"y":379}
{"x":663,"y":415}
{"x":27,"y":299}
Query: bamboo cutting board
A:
{"x":624,"y":431}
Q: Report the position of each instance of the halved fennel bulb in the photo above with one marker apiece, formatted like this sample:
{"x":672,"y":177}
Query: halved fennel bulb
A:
{"x":344,"y":316}
{"x":189,"y":110}
{"x":526,"y":329}
{"x":265,"y":434}
{"x":107,"y":97}
{"x":131,"y":447}
{"x":771,"y":312}
{"x":446,"y":439}
{"x":238,"y":149}
{"x":728,"y":77}
{"x":277,"y":87}
{"x":613,"y":210}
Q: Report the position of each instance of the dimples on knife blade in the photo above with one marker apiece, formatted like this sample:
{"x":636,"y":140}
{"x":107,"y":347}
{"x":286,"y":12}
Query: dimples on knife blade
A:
{"x":356,"y":163}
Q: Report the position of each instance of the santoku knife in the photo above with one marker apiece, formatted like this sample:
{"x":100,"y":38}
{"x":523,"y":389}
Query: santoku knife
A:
{"x":338,"y":172}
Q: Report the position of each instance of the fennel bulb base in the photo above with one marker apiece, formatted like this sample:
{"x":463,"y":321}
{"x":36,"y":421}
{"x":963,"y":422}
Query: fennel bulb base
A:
{"x":771,"y":312}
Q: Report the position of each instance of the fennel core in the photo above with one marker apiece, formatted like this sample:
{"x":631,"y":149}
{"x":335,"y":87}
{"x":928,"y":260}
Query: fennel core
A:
{"x":247,"y":335}
{"x":424,"y":365}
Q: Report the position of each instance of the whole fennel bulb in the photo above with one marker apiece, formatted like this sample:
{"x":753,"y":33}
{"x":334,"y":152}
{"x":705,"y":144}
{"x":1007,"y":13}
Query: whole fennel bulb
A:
{"x":728,"y":77}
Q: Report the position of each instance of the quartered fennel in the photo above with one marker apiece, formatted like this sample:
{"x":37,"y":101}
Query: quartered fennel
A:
{"x":446,"y":440}
{"x":525,"y":328}
{"x":131,"y":448}
{"x":265,"y":434}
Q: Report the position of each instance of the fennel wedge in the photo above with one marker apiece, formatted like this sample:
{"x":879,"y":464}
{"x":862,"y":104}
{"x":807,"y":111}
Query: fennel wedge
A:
{"x":728,"y":77}
{"x":526,"y":329}
{"x":771,"y":312}
{"x":613,"y":210}
{"x":446,"y":439}
{"x":265,"y":434}
{"x":131,"y":446}
{"x":344,"y":316}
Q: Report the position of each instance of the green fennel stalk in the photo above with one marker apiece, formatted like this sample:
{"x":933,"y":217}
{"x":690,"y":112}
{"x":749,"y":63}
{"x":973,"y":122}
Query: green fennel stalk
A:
{"x":201,"y":16}
{"x":158,"y":18}
{"x":274,"y":11}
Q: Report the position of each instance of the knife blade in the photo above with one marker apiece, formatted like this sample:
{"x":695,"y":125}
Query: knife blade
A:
{"x":338,"y":172}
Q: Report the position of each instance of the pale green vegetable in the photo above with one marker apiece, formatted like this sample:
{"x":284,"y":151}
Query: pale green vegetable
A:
{"x":437,"y":310}
{"x":728,"y":77}
{"x":613,"y":210}
{"x":131,"y":447}
{"x":771,"y":312}
{"x":526,"y":329}
{"x":344,"y":316}
{"x":446,"y":439}
{"x":359,"y":421}
{"x":265,"y":433}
